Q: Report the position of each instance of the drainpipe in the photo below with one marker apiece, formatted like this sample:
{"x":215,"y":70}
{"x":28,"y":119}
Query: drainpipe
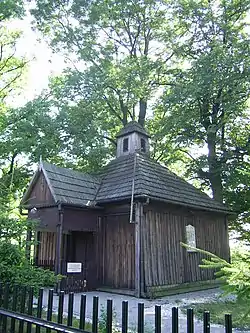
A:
{"x":133,"y":191}
{"x":59,"y":244}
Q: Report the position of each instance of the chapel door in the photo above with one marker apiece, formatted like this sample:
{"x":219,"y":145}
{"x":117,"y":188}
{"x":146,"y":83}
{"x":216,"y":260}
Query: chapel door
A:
{"x":84,"y":252}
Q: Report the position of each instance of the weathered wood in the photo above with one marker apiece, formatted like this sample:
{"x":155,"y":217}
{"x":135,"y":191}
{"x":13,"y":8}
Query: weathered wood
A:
{"x":40,"y":193}
{"x":59,"y":241}
{"x":47,"y":246}
{"x":80,"y":219}
{"x":118,"y":252}
{"x":142,"y":257}
{"x":166,"y":262}
{"x":138,"y":246}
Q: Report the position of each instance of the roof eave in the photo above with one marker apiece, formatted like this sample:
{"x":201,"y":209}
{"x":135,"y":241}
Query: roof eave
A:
{"x":125,"y":134}
{"x":210,"y":209}
{"x":144,"y":196}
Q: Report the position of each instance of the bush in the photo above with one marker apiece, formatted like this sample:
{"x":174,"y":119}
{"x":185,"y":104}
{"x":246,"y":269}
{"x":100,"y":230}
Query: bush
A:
{"x":235,"y":275}
{"x":15,"y":269}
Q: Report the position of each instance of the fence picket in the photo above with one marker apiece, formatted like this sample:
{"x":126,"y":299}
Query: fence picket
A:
{"x":50,"y":308}
{"x":157,"y":319}
{"x":140,"y":323}
{"x":82,"y":312}
{"x":175,"y":320}
{"x":60,"y":307}
{"x":39,"y":307}
{"x":206,"y":322}
{"x":124,"y":316}
{"x":22,"y":308}
{"x":228,"y":323}
{"x":70,"y":309}
{"x":30,"y":307}
{"x":109,"y":316}
{"x":95,"y":314}
{"x":6,"y":304}
{"x":14,"y":307}
{"x":190,"y":321}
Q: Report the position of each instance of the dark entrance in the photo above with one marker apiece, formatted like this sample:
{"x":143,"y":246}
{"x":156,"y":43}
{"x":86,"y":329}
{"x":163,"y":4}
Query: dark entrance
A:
{"x":81,"y":249}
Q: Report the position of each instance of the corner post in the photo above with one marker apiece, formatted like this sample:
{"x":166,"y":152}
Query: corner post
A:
{"x":28,"y":243}
{"x":59,"y":233}
{"x":138,"y":217}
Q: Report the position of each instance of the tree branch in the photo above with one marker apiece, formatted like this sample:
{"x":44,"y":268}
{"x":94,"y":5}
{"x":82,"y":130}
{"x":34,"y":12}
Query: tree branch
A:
{"x":110,"y":139}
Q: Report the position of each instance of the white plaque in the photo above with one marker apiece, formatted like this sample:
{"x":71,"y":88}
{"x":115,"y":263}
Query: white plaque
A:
{"x":74,"y":267}
{"x":190,"y":237}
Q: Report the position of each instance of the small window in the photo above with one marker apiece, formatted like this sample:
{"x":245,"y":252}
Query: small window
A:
{"x":190,"y":237}
{"x":143,"y":145}
{"x":125,"y":145}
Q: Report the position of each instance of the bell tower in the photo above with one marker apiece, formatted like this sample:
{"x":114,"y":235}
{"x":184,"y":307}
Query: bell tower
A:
{"x":132,"y":138}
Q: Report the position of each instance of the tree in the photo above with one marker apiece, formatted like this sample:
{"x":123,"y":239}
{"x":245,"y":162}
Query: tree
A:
{"x":208,"y":100}
{"x":119,"y":44}
{"x":123,"y":54}
{"x":11,"y":67}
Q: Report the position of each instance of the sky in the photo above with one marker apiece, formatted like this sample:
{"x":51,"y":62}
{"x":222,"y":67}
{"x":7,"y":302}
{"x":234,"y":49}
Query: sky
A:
{"x":43,"y":63}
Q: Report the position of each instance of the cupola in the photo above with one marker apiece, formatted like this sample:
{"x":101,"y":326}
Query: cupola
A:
{"x":132,"y":138}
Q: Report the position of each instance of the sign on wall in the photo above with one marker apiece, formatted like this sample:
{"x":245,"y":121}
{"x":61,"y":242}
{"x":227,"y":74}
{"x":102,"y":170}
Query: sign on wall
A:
{"x":190,"y":237}
{"x":74,"y":267}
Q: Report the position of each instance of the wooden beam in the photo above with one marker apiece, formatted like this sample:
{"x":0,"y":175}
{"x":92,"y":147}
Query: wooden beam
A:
{"x":37,"y":246}
{"x":138,"y":252}
{"x":28,"y":243}
{"x":142,"y":252}
{"x":59,"y":240}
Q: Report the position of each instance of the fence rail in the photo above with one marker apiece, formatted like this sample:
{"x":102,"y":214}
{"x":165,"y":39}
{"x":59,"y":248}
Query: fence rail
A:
{"x":18,"y":315}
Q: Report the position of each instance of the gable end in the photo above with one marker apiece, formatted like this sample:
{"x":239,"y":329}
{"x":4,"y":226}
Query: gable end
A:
{"x":39,"y":192}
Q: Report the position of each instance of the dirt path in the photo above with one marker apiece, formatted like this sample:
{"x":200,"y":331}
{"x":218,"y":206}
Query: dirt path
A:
{"x":166,"y":305}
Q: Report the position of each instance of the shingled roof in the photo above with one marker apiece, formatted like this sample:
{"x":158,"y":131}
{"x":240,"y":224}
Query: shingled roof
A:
{"x":151,"y":180}
{"x":114,"y":183}
{"x":131,"y":127}
{"x":67,"y":186}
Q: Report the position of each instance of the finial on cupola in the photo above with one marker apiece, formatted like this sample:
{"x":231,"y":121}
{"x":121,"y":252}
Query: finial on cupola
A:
{"x":132,"y":138}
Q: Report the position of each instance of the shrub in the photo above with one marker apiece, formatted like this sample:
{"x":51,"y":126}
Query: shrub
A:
{"x":15,"y":269}
{"x":235,"y":275}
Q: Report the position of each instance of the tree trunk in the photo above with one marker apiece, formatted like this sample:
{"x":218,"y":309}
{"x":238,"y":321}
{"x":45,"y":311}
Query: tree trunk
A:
{"x":214,"y":167}
{"x":142,"y":112}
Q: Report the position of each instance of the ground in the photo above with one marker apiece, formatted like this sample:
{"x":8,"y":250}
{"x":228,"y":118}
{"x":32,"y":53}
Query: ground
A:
{"x":166,"y":304}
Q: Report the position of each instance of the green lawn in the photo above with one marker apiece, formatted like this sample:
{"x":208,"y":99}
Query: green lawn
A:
{"x":75,"y":323}
{"x":219,"y":309}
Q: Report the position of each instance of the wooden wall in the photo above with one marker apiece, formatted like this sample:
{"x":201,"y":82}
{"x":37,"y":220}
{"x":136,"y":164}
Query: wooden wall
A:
{"x":40,"y":193}
{"x":165,"y":262}
{"x":47,"y":246}
{"x":47,"y":218}
{"x":46,"y":249}
{"x":116,"y":248}
{"x":80,"y":219}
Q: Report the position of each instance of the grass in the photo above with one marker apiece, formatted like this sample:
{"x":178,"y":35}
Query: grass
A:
{"x":219,"y":309}
{"x":75,"y":323}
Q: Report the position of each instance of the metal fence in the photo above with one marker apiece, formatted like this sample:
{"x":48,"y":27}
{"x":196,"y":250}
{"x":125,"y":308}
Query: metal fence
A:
{"x":18,"y":315}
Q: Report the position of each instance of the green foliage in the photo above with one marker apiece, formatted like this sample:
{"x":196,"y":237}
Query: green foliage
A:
{"x":234,"y":275}
{"x":10,"y":9}
{"x":178,"y":67}
{"x":237,"y":193}
{"x":218,"y":309}
{"x":15,"y":269}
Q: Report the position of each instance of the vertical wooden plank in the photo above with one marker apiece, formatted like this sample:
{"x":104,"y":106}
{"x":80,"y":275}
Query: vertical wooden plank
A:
{"x":149,"y":249}
{"x":164,"y":239}
{"x":58,"y":258}
{"x":137,"y":249}
{"x":142,"y":266}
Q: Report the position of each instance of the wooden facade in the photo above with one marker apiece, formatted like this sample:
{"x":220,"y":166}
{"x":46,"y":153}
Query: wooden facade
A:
{"x":116,"y":259}
{"x":164,"y":260}
{"x":117,"y":251}
{"x":41,"y":193}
